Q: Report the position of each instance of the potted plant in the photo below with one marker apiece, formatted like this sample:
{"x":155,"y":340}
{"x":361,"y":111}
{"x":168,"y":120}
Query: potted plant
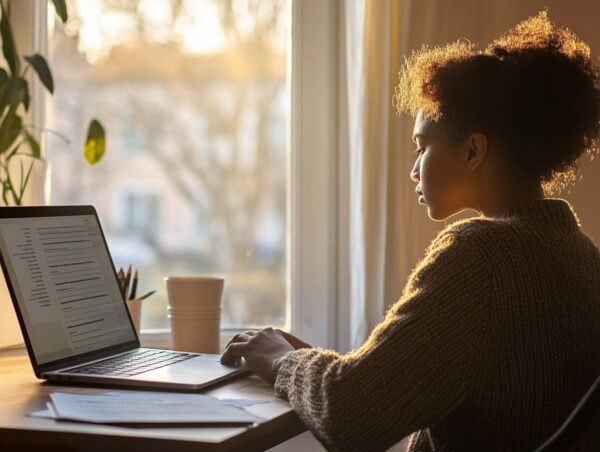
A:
{"x":17,"y":139}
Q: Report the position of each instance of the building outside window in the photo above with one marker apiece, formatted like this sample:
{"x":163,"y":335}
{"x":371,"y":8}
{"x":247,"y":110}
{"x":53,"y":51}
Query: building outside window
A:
{"x":141,"y":216}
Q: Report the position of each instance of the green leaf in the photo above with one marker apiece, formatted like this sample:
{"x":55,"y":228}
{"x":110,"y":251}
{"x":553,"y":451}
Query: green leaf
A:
{"x":95,"y":144}
{"x":33,"y":145}
{"x":26,"y":97}
{"x":3,"y":76}
{"x":3,"y":81}
{"x":61,"y":9}
{"x":8,"y":44}
{"x":10,"y":129}
{"x":14,"y":93}
{"x":40,"y":65}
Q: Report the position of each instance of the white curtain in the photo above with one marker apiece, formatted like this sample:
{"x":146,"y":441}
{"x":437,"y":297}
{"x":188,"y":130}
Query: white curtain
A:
{"x":388,"y":229}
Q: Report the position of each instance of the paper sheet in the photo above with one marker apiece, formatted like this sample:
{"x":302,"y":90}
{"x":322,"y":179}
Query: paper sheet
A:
{"x":44,"y":414}
{"x":239,"y":403}
{"x":146,"y":407}
{"x":242,"y":403}
{"x":48,"y":413}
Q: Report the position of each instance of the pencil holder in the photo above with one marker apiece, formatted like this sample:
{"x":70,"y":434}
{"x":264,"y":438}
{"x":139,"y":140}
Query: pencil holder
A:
{"x":135,"y":311}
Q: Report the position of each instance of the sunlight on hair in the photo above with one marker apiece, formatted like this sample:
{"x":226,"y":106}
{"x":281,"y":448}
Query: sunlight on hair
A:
{"x":428,"y":81}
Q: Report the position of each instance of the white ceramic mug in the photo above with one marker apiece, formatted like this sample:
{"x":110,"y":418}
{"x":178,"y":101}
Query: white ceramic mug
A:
{"x":195,"y":312}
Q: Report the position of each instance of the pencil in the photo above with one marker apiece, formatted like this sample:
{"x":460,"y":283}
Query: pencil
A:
{"x":126,"y":284}
{"x":134,"y":286}
{"x":120,"y":276}
{"x":146,"y":295}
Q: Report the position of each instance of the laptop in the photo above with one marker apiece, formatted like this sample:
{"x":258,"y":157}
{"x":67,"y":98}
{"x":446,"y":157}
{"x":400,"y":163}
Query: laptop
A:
{"x":74,"y":320}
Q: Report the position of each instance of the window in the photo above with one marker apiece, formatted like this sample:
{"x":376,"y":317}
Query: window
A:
{"x":194,"y":97}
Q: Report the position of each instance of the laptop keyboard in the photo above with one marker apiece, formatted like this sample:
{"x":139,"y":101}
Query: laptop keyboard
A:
{"x":133,"y":363}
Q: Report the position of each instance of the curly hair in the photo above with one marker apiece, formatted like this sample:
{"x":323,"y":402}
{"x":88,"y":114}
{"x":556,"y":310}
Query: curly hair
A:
{"x":535,"y":90}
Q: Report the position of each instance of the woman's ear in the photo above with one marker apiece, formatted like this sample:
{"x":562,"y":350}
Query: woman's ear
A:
{"x":477,"y":147}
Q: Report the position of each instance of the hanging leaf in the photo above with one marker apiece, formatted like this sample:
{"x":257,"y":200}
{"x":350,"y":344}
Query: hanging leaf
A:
{"x":95,"y":143}
{"x":61,"y":9}
{"x":26,"y":97}
{"x":14,"y":93}
{"x":33,"y":145}
{"x":9,"y":130}
{"x":3,"y":77}
{"x":8,"y":44}
{"x":39,"y":64}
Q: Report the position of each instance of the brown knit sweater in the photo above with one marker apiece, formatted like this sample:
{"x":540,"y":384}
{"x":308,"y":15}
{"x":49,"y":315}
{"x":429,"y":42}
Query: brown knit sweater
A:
{"x":494,"y":340}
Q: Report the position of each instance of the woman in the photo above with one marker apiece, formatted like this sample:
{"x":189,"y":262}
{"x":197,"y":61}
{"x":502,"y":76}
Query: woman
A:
{"x":497,"y":333}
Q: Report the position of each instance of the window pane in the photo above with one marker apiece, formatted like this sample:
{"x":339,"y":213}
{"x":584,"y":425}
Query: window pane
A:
{"x":194,"y":99}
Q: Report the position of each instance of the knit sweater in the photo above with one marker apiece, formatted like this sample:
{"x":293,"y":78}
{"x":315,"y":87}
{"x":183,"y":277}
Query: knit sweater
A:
{"x":494,"y":340}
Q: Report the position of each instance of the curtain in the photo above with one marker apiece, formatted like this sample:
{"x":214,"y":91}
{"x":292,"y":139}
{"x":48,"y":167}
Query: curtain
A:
{"x":388,"y":228}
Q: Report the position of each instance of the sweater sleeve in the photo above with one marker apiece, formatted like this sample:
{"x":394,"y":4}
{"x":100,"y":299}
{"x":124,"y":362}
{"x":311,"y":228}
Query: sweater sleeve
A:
{"x":415,"y":366}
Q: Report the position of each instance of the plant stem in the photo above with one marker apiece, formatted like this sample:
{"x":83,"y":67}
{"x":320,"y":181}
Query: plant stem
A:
{"x":24,"y":184}
{"x":11,"y":187}
{"x":53,"y":132}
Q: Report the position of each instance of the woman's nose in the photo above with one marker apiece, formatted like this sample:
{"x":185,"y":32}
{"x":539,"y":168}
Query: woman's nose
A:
{"x":414,"y":174}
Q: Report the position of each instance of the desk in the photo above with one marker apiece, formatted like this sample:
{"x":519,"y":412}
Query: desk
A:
{"x":21,"y":393}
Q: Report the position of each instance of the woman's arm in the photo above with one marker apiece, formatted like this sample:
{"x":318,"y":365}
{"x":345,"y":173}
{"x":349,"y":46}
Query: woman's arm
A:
{"x":415,"y":367}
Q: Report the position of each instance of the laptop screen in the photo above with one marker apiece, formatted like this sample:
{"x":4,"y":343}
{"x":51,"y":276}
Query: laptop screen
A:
{"x":64,"y":284}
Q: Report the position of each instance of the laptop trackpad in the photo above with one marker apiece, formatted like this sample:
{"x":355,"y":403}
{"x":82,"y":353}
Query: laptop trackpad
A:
{"x":195,"y":370}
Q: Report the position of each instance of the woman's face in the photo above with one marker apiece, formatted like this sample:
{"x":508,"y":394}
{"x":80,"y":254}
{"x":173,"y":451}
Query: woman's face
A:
{"x":441,"y":175}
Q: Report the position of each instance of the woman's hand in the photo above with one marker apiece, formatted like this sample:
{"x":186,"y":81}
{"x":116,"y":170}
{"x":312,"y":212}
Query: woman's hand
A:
{"x":294,"y":341}
{"x":262,"y":350}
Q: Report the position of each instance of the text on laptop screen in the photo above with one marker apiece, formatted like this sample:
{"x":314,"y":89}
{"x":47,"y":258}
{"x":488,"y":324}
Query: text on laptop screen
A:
{"x":63,"y":280}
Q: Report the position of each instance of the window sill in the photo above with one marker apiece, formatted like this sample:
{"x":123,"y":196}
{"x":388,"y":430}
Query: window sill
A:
{"x":161,"y":338}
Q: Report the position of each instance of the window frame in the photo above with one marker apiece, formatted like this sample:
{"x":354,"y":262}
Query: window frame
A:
{"x":317,"y":172}
{"x":317,"y":179}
